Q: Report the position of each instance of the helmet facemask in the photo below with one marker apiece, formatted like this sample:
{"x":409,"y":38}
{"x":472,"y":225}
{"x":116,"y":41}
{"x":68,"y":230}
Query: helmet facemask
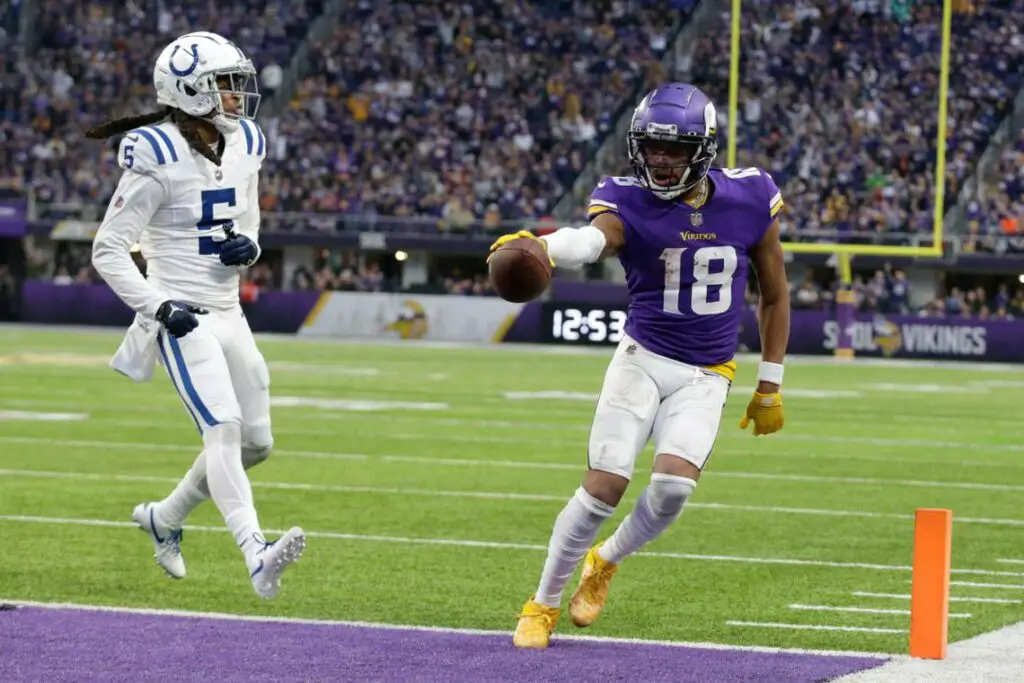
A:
{"x":234,"y":94}
{"x":670,"y":164}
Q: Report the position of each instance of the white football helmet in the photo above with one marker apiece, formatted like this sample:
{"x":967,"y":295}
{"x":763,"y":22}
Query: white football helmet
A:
{"x":197,"y":69}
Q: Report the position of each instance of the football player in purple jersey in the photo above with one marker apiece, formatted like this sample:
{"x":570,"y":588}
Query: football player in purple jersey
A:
{"x":686,"y":235}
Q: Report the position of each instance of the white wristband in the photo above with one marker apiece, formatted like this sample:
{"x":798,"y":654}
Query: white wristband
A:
{"x":770,"y":372}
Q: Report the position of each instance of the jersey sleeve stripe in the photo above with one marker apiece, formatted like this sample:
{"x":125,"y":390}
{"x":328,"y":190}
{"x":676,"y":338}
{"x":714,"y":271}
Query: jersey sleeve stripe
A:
{"x":774,"y":211}
{"x":260,"y":140}
{"x":777,"y":199}
{"x":248,"y":136}
{"x":167,"y":141}
{"x":598,"y":210}
{"x":159,"y":153}
{"x":601,"y":202}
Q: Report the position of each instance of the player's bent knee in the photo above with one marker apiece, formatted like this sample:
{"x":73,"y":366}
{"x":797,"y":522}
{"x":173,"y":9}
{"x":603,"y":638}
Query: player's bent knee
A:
{"x":607,"y":487}
{"x":668,"y":493}
{"x":257,"y":436}
{"x":257,"y":442}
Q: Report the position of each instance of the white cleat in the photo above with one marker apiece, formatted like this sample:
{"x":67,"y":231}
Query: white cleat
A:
{"x":273,"y":558}
{"x":166,"y":541}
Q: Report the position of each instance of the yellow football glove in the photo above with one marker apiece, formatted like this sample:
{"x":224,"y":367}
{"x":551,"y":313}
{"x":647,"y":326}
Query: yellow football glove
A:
{"x":505,"y":239}
{"x":766,"y":412}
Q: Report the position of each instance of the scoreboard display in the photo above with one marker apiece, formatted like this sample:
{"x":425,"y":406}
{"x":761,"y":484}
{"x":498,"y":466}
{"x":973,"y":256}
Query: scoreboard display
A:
{"x":582,"y":324}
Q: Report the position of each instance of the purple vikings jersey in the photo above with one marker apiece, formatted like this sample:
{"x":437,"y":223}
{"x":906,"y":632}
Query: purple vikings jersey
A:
{"x":687,"y":268}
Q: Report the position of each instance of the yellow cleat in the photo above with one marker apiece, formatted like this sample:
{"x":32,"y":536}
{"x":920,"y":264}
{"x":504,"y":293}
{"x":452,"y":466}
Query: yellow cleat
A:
{"x":536,"y":624}
{"x":588,"y":600}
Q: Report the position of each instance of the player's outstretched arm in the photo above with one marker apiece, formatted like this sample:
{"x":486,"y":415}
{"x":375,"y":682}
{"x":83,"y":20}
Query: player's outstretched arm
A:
{"x":135,"y":200}
{"x":575,"y":247}
{"x":765,"y":409}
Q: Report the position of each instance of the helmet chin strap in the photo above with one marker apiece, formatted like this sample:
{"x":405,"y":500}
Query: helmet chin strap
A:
{"x":224,"y":124}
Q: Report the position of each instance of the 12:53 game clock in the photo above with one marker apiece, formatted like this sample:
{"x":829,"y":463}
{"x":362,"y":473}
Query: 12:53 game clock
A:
{"x":582,"y":323}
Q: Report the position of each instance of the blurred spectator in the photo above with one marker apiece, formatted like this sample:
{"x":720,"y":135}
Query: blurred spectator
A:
{"x":995,"y":218}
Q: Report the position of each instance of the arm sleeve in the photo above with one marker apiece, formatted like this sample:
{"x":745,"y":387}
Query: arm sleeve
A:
{"x":136,"y":199}
{"x":250,"y":224}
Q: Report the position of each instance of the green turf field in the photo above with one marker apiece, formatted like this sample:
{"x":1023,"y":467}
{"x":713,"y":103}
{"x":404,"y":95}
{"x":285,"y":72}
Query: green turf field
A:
{"x":429,"y":489}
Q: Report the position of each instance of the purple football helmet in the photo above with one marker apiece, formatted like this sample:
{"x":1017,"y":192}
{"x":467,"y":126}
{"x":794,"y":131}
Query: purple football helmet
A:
{"x":671,"y":139}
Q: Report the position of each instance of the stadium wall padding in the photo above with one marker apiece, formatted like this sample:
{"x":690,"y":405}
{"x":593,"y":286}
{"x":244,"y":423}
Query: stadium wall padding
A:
{"x":96,"y":304}
{"x":487,"y":319}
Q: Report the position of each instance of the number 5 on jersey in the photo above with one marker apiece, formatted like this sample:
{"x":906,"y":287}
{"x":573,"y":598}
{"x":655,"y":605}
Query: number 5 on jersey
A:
{"x":210,"y":199}
{"x":705,"y":283}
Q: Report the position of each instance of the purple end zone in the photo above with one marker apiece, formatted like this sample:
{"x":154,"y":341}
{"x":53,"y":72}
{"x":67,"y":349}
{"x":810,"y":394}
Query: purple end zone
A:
{"x":78,"y":645}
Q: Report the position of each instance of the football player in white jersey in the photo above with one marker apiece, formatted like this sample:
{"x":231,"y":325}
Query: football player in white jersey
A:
{"x":189,"y":196}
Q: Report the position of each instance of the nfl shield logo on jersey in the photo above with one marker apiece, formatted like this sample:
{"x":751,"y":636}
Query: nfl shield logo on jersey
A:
{"x":696,"y":219}
{"x":119,"y":203}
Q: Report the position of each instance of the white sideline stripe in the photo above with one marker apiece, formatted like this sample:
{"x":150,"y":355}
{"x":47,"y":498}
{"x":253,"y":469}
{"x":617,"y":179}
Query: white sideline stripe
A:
{"x":952,"y":598}
{"x":866,"y":610}
{"x":524,"y":464}
{"x":489,"y":495}
{"x":500,"y":545}
{"x":971,"y":584}
{"x":816,"y":627}
{"x":223,"y":616}
{"x":1007,"y":560}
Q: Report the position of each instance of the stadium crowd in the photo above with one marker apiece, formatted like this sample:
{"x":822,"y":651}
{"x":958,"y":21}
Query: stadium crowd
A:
{"x":414,"y":109}
{"x":839,"y":103}
{"x":995,"y":221}
{"x":94,"y":61}
{"x":458,"y":110}
{"x":411,"y":109}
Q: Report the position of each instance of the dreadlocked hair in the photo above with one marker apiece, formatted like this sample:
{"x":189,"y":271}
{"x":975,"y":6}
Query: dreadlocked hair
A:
{"x":187,"y":125}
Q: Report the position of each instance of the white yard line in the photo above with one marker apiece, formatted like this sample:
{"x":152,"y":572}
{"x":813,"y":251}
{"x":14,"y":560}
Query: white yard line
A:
{"x":865,"y":610}
{"x":490,"y":495}
{"x":815,"y":627}
{"x":1007,"y":560}
{"x":499,"y":545}
{"x":952,"y":598}
{"x":529,"y":464}
{"x":972,"y":584}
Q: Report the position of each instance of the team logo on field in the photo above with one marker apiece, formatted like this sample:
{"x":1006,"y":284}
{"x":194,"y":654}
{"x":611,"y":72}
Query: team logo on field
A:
{"x":410,"y":322}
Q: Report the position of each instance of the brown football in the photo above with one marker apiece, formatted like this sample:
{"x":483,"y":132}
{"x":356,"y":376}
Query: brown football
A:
{"x":520,"y":270}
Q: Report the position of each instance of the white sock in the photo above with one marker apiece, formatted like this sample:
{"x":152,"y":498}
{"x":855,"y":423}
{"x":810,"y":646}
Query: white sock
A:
{"x":193,"y":489}
{"x":575,"y":529}
{"x":230,"y":489}
{"x":646,"y":521}
{"x":190,"y":492}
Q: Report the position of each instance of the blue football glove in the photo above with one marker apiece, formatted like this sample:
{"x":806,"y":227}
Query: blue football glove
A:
{"x":178,"y":318}
{"x":238,"y":250}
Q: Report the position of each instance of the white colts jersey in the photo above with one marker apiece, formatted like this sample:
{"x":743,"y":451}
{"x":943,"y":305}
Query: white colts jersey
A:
{"x":177,"y":205}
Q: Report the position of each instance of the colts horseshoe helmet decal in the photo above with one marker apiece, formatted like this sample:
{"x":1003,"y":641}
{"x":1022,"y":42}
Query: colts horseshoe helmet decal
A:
{"x":191,"y":67}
